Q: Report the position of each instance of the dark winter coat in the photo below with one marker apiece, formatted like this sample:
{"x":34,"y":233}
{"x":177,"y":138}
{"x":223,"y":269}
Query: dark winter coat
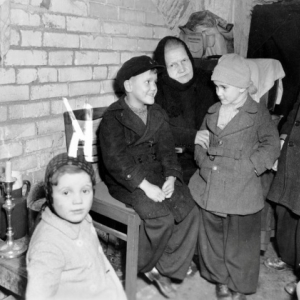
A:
{"x":186,"y":104}
{"x":285,"y":189}
{"x":133,"y":151}
{"x":229,"y":179}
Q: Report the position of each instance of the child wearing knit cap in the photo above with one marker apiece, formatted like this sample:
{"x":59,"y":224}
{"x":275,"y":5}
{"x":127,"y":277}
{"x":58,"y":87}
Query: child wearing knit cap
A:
{"x":65,"y":259}
{"x":243,"y":144}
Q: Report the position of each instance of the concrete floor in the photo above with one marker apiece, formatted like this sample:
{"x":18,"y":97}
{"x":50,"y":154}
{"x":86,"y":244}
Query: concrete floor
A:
{"x":271,"y":285}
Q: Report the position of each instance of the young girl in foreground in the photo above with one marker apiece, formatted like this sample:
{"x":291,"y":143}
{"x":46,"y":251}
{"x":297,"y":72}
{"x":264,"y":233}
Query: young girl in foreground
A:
{"x":243,"y":144}
{"x":65,"y":259}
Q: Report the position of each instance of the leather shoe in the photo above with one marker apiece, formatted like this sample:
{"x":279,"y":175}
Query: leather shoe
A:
{"x":163,"y":283}
{"x":222,"y":291}
{"x":238,"y":296}
{"x":291,"y":287}
{"x":276,"y":264}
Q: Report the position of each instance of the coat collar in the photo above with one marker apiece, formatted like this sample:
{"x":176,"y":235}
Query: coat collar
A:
{"x":130,"y":120}
{"x":69,"y":229}
{"x":242,"y":120}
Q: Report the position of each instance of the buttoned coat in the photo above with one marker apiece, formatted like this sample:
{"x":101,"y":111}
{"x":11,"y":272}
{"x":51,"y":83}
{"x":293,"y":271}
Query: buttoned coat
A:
{"x":229,"y":179}
{"x":285,"y":188}
{"x":133,"y":151}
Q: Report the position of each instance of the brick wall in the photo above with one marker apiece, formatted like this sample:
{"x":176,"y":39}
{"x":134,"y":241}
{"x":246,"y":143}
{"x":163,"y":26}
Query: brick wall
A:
{"x":71,"y":49}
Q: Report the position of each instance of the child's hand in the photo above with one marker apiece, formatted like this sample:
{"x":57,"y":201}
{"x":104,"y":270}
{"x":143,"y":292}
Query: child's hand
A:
{"x":202,"y":138}
{"x":152,"y":191}
{"x":168,"y":187}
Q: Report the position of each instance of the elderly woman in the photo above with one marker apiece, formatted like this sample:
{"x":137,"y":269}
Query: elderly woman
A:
{"x":186,"y":94}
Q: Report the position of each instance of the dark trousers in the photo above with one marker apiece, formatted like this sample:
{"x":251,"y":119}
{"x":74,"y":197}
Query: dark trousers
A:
{"x":288,"y":236}
{"x":230,"y":250}
{"x":167,"y":245}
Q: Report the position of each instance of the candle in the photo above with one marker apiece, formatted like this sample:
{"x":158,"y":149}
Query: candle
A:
{"x":8,"y":177}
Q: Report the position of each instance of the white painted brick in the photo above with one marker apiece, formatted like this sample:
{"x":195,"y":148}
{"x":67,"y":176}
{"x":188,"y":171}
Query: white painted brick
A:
{"x":26,"y":58}
{"x":7,"y":76}
{"x":3,"y":114}
{"x":95,"y":42}
{"x":36,"y":2}
{"x":50,"y":125}
{"x":83,"y":24}
{"x":145,"y":5}
{"x":127,"y":55}
{"x":45,"y":157}
{"x":47,"y":75}
{"x":123,"y":3}
{"x":69,"y":7}
{"x":44,"y":142}
{"x":107,"y":86}
{"x":26,"y":162}
{"x":14,"y":37}
{"x":120,"y":43}
{"x":128,"y":15}
{"x":24,"y":2}
{"x":82,"y":88}
{"x":61,"y":40}
{"x":58,"y":58}
{"x":115,"y":28}
{"x":21,"y":18}
{"x":75,"y":74}
{"x":10,"y":150}
{"x":49,"y":91}
{"x":29,"y":110}
{"x":112,"y":72}
{"x":16,"y":112}
{"x":86,"y":58}
{"x":155,"y":18}
{"x":100,"y":73}
{"x":103,"y":11}
{"x":25,"y":76}
{"x":14,"y":93}
{"x":31,"y":38}
{"x":140,"y":31}
{"x":36,"y":110}
{"x":17,"y":131}
{"x":57,"y":106}
{"x":101,"y":101}
{"x":147,"y":45}
{"x":161,"y":32}
{"x":54,"y":21}
{"x":109,"y":58}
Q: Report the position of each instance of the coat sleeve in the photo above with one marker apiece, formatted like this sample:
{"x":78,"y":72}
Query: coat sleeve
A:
{"x":119,"y":164}
{"x":200,"y":152}
{"x":268,"y":149}
{"x":166,"y":152}
{"x":288,"y":125}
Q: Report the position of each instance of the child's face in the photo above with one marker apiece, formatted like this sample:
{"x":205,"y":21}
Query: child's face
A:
{"x":179,"y":66}
{"x":142,"y":89}
{"x":73,"y":196}
{"x":228,"y":94}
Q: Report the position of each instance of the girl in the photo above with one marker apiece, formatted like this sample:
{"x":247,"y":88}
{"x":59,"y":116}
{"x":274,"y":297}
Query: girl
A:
{"x":65,"y":259}
{"x":243,"y":144}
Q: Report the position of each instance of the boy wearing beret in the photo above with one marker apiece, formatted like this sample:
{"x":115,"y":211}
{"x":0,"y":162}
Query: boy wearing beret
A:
{"x":142,"y":171}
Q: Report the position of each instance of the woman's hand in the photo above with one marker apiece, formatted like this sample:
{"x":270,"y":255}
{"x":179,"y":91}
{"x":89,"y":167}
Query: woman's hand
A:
{"x":152,"y":191}
{"x":168,"y":187}
{"x":202,"y":138}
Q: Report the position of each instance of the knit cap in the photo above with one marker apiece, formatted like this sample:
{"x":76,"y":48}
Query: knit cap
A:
{"x":61,"y":160}
{"x":232,"y":69}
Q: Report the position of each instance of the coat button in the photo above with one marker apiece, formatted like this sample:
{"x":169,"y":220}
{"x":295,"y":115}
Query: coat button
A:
{"x":215,"y":168}
{"x":297,"y":123}
{"x":128,"y":176}
{"x":291,"y":144}
{"x":211,"y":157}
{"x":220,"y":143}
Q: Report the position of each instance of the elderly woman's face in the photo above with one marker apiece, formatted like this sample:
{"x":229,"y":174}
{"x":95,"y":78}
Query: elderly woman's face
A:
{"x":179,"y":66}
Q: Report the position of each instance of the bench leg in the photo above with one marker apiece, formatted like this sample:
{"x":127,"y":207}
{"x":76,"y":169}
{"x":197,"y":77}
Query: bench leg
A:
{"x":132,"y":257}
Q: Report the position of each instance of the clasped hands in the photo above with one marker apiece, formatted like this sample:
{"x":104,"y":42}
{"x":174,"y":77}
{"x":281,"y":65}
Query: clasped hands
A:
{"x":156,"y":193}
